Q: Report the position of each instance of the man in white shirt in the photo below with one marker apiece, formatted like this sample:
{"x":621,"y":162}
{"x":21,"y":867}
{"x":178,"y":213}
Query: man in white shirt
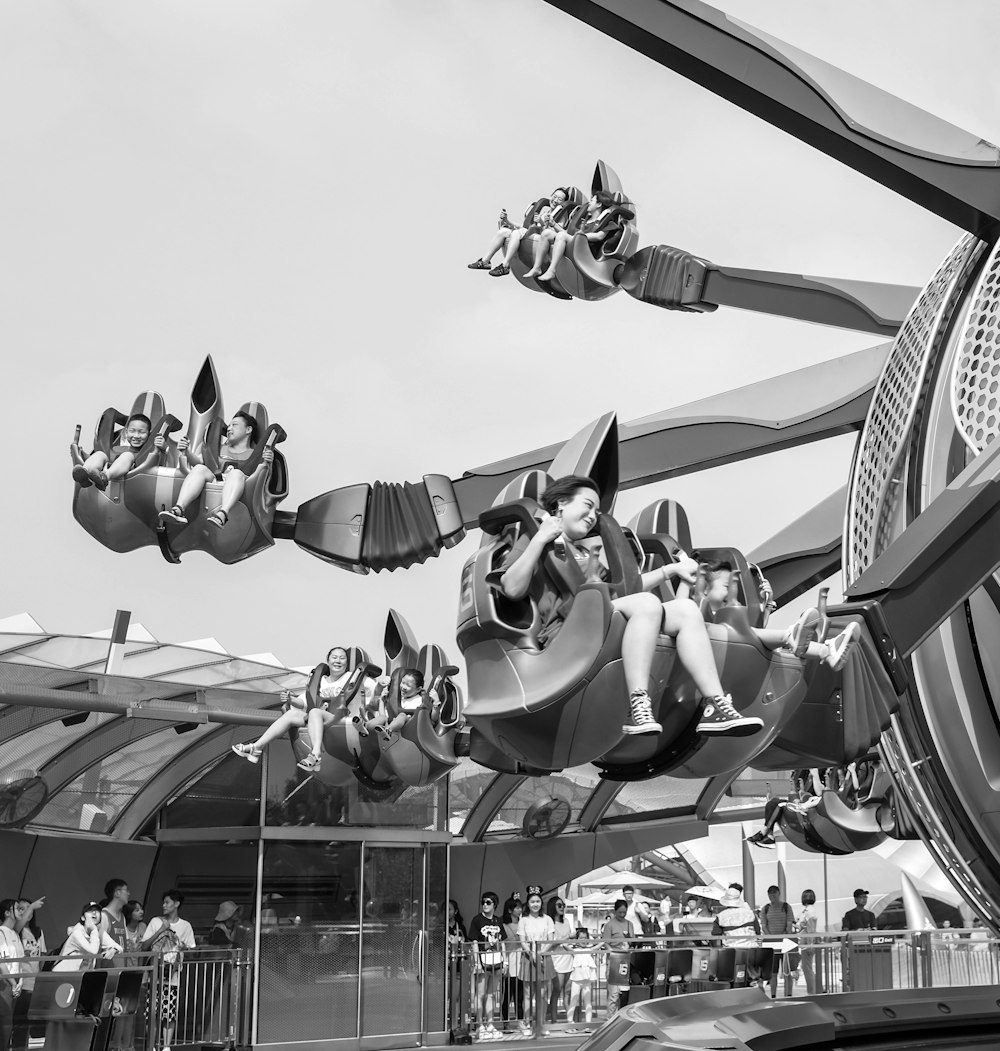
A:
{"x":10,"y":973}
{"x":170,"y":935}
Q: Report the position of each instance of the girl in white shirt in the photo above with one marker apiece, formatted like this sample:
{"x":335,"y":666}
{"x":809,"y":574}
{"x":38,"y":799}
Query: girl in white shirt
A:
{"x":534,"y":927}
{"x":297,"y":713}
{"x":87,"y":941}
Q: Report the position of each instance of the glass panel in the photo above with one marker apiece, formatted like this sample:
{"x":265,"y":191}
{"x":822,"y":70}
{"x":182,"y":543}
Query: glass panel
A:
{"x":295,"y":798}
{"x":753,"y":788}
{"x":92,"y":801}
{"x":394,"y":920}
{"x":310,"y":928}
{"x":39,"y":743}
{"x":573,"y":785}
{"x":467,"y":783}
{"x":436,"y":940}
{"x":229,"y":794}
{"x":661,"y":793}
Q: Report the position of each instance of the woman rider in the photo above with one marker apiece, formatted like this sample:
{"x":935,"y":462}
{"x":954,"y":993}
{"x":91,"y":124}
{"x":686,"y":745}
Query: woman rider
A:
{"x":572,"y":508}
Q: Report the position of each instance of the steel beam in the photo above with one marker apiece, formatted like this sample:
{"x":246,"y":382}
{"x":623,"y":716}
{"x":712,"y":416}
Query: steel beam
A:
{"x":803,"y":406}
{"x":949,"y":171}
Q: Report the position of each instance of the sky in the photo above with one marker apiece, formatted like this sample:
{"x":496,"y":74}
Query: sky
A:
{"x":296,"y":187}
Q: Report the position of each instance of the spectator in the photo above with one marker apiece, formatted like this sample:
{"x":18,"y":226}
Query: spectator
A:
{"x":487,"y":932}
{"x":10,"y":973}
{"x":169,"y":935}
{"x":223,"y":933}
{"x":512,"y":992}
{"x":86,"y":941}
{"x":561,"y":955}
{"x":33,"y":943}
{"x":776,"y":918}
{"x":534,"y":929}
{"x":812,"y":959}
{"x":135,"y":929}
{"x":858,"y":918}
{"x":645,"y":922}
{"x":112,"y":915}
{"x":582,"y":978}
{"x":615,"y":934}
{"x":628,"y":893}
{"x":457,"y":936}
{"x":735,"y":923}
{"x":122,"y":1034}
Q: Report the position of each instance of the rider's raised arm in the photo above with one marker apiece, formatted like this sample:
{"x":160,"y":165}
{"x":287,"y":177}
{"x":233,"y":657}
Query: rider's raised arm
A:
{"x":524,"y":558}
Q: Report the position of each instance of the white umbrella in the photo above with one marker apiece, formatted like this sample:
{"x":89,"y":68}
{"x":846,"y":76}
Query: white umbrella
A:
{"x":628,"y":879}
{"x":715,"y":893}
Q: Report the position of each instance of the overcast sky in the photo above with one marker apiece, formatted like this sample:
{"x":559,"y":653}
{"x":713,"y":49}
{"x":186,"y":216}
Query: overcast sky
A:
{"x":295,"y":187}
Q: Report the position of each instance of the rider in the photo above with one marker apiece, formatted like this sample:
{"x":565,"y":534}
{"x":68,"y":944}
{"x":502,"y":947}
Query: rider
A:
{"x":596,"y":227}
{"x":99,"y":468}
{"x":394,"y":716}
{"x":717,"y":591}
{"x":296,"y":712}
{"x":512,"y":236}
{"x":572,"y":509}
{"x":241,"y":437}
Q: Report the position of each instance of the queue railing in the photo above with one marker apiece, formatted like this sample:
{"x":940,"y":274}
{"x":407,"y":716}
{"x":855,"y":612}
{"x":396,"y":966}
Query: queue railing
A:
{"x":144,"y":1001}
{"x":524,"y":998}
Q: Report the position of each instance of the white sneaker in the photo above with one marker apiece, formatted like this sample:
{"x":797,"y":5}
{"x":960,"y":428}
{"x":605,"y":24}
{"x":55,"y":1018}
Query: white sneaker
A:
{"x":481,"y":1033}
{"x":492,"y":1033}
{"x":841,"y":646}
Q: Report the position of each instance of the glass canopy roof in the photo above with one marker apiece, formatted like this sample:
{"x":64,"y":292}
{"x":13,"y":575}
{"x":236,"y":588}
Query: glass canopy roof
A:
{"x":102,"y":767}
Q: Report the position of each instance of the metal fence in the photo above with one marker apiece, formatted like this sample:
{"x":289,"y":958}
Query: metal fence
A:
{"x":513,"y":993}
{"x":142,"y":1001}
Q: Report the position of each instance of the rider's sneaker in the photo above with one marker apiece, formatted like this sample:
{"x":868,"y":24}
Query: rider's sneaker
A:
{"x":720,"y":719}
{"x":642,"y":715}
{"x":803,"y":631}
{"x":761,"y":839}
{"x":841,"y":646}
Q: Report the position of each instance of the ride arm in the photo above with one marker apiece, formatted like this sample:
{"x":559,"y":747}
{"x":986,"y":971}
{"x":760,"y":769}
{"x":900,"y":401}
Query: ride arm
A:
{"x":944,"y":555}
{"x":803,"y":406}
{"x":673,"y":279}
{"x":949,"y":171}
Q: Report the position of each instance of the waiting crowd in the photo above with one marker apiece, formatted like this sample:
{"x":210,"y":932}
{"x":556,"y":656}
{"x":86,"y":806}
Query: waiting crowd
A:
{"x":532,"y":943}
{"x":112,"y":929}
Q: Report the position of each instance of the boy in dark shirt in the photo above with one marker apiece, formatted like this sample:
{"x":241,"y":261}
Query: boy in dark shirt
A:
{"x":487,"y":931}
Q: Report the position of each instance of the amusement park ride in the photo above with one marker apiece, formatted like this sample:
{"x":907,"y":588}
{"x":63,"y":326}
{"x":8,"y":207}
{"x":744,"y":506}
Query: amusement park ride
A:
{"x":908,"y":730}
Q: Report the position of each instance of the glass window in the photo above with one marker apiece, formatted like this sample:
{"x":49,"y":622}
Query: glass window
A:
{"x":466,"y":785}
{"x":310,"y":942}
{"x":573,"y":785}
{"x":662,"y":793}
{"x":335,"y":796}
{"x":94,"y":799}
{"x":228,"y":795}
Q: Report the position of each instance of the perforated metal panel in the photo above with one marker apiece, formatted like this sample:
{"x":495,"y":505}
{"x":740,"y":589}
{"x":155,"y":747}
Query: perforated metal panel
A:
{"x":887,"y":428}
{"x":975,"y":378}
